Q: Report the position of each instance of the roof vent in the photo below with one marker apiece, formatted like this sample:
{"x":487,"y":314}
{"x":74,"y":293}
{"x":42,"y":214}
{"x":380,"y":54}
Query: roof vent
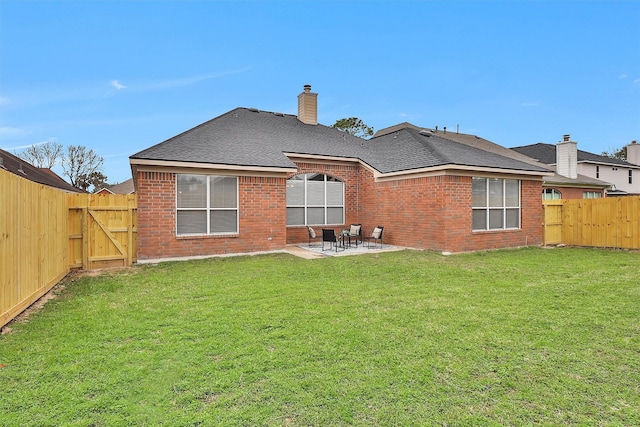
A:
{"x":2,"y":163}
{"x":20,"y":169}
{"x":254,"y":110}
{"x":426,"y":133}
{"x":279,"y":114}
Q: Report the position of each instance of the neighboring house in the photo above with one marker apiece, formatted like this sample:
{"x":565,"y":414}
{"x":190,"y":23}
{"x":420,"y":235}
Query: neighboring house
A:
{"x":624,"y":176}
{"x":125,"y":187}
{"x":558,"y":185}
{"x":26,"y":170}
{"x":252,"y":180}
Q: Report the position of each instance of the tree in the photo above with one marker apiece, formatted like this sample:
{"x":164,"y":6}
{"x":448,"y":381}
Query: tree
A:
{"x":97,"y":179}
{"x":354,"y":126}
{"x":620,"y":153}
{"x":81,"y":166}
{"x":44,"y":155}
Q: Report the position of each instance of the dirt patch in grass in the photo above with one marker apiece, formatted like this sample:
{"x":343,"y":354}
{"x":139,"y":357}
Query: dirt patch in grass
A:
{"x":53,"y":294}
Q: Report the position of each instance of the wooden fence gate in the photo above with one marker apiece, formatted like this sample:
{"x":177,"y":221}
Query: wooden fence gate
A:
{"x":102,"y":230}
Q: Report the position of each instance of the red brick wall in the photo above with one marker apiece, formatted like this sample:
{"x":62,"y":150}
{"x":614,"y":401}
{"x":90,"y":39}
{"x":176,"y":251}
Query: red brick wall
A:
{"x":429,"y":213}
{"x":435,"y":213}
{"x":262,"y":205}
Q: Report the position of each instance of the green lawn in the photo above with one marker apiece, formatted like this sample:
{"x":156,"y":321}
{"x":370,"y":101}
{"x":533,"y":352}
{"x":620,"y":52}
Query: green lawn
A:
{"x":518,"y":337}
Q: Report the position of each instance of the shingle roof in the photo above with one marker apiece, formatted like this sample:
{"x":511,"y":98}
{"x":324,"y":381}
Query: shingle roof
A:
{"x":26,"y":170}
{"x":125,"y":187}
{"x":249,"y":137}
{"x":484,"y":144}
{"x":546,"y":153}
{"x":408,"y":149}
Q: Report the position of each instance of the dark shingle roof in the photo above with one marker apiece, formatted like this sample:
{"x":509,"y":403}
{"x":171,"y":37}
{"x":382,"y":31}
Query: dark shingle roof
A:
{"x":26,"y":170}
{"x":249,"y":137}
{"x":409,"y":148}
{"x":546,"y":153}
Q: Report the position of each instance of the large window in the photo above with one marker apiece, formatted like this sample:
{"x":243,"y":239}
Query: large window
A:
{"x":551,"y":194}
{"x":207,"y":204}
{"x":496,"y":204}
{"x":315,"y":199}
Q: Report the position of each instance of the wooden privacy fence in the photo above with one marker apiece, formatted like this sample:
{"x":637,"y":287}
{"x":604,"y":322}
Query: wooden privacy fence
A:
{"x":44,"y":232}
{"x":612,"y":222}
{"x":102,"y":230}
{"x":34,"y":242}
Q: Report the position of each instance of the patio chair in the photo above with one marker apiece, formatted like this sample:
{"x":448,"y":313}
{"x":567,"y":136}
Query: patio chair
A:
{"x":312,"y":235}
{"x":375,"y":236}
{"x":329,"y":235}
{"x":355,"y":232}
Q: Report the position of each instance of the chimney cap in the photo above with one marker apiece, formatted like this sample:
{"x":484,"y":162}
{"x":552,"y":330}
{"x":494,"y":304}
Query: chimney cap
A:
{"x":566,"y":137}
{"x":307,"y":88}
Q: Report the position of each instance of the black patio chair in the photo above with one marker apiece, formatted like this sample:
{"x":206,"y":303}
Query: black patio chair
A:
{"x":312,"y":235}
{"x":375,"y":236}
{"x":329,"y":236}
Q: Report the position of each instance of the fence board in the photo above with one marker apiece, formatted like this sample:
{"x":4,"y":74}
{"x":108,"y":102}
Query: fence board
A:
{"x":612,"y":222}
{"x":33,"y":242}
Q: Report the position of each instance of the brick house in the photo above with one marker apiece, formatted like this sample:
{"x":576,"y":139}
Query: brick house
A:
{"x":251,"y":181}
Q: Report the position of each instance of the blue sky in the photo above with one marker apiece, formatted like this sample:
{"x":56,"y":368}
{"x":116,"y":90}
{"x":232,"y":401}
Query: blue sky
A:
{"x":120,"y":76}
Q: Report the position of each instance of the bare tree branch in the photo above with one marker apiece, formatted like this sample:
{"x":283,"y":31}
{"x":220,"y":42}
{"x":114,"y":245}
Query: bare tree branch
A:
{"x":43,"y":155}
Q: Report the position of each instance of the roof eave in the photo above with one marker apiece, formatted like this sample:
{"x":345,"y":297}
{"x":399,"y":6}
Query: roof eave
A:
{"x":139,"y":164}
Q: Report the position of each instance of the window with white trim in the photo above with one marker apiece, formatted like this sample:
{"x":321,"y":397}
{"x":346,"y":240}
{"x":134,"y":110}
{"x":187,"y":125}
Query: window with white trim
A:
{"x":591,"y":195}
{"x":206,"y":204}
{"x":551,"y":194}
{"x":315,"y":199}
{"x":496,"y":204}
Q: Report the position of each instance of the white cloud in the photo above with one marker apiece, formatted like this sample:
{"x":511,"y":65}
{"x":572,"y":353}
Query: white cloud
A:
{"x":623,"y":76}
{"x":636,"y":81}
{"x":187,"y":81}
{"x":7,"y":131}
{"x":3,"y":101}
{"x":530,"y":104}
{"x":117,"y":85}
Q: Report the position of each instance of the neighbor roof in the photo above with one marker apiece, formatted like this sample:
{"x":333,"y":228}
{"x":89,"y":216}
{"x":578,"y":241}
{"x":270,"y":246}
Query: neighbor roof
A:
{"x":254,"y":138}
{"x":546,"y":153}
{"x":26,"y":170}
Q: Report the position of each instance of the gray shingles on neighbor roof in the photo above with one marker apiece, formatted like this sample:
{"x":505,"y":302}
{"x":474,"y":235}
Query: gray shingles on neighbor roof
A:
{"x":26,"y":170}
{"x":249,"y":137}
{"x":546,"y":153}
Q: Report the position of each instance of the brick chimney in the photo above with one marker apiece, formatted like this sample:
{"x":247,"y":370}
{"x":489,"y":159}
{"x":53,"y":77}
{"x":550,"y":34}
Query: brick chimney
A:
{"x":308,"y":106}
{"x":567,"y":157}
{"x":633,"y":153}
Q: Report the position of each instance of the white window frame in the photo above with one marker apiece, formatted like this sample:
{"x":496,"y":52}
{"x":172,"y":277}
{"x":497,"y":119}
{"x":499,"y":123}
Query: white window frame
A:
{"x":591,"y":195}
{"x":503,"y":208}
{"x":550,"y":194}
{"x":208,"y":208}
{"x":306,"y":205}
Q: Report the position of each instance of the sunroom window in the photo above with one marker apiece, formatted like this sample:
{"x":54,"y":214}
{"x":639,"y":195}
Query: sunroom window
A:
{"x":315,"y":199}
{"x":496,"y":204}
{"x":207,"y":204}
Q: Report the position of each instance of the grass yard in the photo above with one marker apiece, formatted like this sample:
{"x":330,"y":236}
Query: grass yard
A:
{"x":517,"y":337}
